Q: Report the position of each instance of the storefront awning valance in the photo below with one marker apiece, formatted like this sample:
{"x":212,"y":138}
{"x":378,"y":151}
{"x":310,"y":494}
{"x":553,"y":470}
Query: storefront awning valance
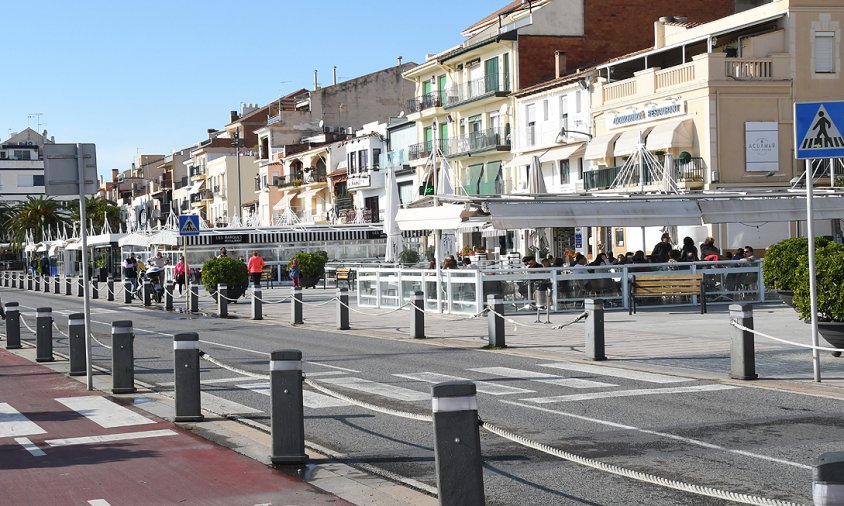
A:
{"x":600,"y":147}
{"x":629,"y":141}
{"x":640,"y":213}
{"x":445,"y":217}
{"x":761,"y":210}
{"x":673,"y":134}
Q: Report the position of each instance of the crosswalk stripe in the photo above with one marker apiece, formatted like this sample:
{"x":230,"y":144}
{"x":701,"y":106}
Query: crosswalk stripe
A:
{"x":309,"y":399}
{"x":552,"y":379}
{"x":104,"y":412}
{"x":484,"y":387}
{"x":109,"y":438}
{"x":617,"y":372}
{"x":629,"y":393}
{"x":13,"y":423}
{"x":29,"y":446}
{"x":382,"y":389}
{"x":221,"y":405}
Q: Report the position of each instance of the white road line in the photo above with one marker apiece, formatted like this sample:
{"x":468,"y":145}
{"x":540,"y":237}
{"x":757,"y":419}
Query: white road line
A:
{"x":104,"y":412}
{"x":482,"y":386}
{"x":211,"y":381}
{"x":13,"y":423}
{"x":99,"y":502}
{"x":616,"y":372}
{"x":332,"y":366}
{"x":30,"y":446}
{"x":225,"y":406}
{"x":541,"y":377}
{"x":109,"y":438}
{"x":675,"y":437}
{"x":309,"y":399}
{"x":382,"y":389}
{"x":629,"y":393}
{"x":319,"y":374}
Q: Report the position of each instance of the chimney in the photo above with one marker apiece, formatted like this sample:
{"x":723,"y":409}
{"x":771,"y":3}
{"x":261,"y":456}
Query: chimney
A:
{"x":398,"y":59}
{"x":114,"y":174}
{"x":233,"y":116}
{"x":335,"y":74}
{"x":560,"y":63}
{"x":316,"y":83}
{"x":659,"y":31}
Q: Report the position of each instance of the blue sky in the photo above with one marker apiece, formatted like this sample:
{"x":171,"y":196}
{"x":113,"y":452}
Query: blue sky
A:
{"x":153,"y":76}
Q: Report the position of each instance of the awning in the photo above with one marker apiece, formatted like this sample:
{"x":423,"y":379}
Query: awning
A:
{"x":445,"y":217}
{"x":74,"y":244}
{"x":556,"y":153}
{"x":600,"y":147}
{"x":628,"y":142}
{"x":673,"y":134}
{"x":165,"y":238}
{"x":308,"y":194}
{"x":134,"y":239}
{"x":593,"y":213}
{"x":779,"y":209}
{"x":284,"y":202}
{"x":196,"y":186}
{"x":104,"y":239}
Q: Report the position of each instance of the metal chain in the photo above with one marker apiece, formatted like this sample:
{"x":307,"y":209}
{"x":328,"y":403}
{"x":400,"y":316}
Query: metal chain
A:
{"x":739,"y":326}
{"x":271,"y":301}
{"x":366,"y":405}
{"x":528,"y":325}
{"x":216,"y":362}
{"x":26,"y":325}
{"x":581,"y":316}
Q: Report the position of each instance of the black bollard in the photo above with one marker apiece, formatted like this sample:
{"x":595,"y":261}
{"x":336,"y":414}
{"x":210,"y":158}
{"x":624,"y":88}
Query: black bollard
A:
{"x":13,"y":326}
{"x":594,"y":329}
{"x":417,"y":315}
{"x":95,"y":289}
{"x":14,"y":280}
{"x":29,"y":282}
{"x":46,"y":284}
{"x":457,"y":444}
{"x":80,"y":287}
{"x":127,"y":292}
{"x":147,"y":291}
{"x":57,"y":285}
{"x":257,"y":304}
{"x":68,"y":285}
{"x":44,"y":334}
{"x":110,"y":288}
{"x":495,"y":321}
{"x":168,"y":296}
{"x":287,"y":411}
{"x":186,"y":369}
{"x":742,"y":351}
{"x":76,"y":342}
{"x":828,"y":479}
{"x":222,"y":301}
{"x":122,"y":358}
{"x":37,"y":286}
{"x":343,"y":309}
{"x":296,"y":307}
{"x":193,"y":299}
{"x":22,"y":282}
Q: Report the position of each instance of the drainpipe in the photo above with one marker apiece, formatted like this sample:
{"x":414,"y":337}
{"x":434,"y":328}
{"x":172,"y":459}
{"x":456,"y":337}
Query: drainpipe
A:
{"x":316,"y":85}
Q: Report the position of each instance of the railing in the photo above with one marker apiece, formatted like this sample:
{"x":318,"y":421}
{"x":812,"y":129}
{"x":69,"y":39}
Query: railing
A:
{"x":351,"y":215}
{"x":433,"y":99}
{"x":600,"y":179}
{"x":675,"y":76}
{"x":488,"y":85}
{"x":749,"y":69}
{"x":483,"y":140}
{"x":297,"y":179}
{"x":691,"y":169}
{"x":420,"y":150}
{"x":395,"y":158}
{"x":617,"y":91}
{"x":196,"y":171}
{"x":685,"y":170}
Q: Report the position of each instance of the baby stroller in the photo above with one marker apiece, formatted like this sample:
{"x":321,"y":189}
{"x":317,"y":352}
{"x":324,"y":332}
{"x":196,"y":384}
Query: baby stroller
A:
{"x":153,"y":275}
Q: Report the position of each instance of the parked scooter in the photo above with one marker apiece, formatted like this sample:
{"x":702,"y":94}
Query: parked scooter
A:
{"x":153,"y":275}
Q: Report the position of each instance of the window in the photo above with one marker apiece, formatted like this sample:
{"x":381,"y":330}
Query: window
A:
{"x":564,"y":112}
{"x":23,"y":154}
{"x":580,"y":169}
{"x":376,"y":158}
{"x":564,"y":171}
{"x":38,"y":180}
{"x":530,"y":118}
{"x":28,"y":181}
{"x":824,"y":52}
{"x":363,"y":159}
{"x":491,"y":75}
{"x":545,"y":110}
{"x":406,"y":192}
{"x":353,"y":167}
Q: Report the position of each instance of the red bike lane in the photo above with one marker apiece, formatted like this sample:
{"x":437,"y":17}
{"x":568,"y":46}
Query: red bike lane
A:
{"x":63,"y":445}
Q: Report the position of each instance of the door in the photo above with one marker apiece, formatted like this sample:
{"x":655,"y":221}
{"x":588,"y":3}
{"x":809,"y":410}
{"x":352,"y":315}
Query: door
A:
{"x":441,"y":91}
{"x":491,"y":75}
{"x":444,"y":138}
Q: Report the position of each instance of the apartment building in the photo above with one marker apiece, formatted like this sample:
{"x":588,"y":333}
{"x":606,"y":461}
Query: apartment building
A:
{"x":22,"y":165}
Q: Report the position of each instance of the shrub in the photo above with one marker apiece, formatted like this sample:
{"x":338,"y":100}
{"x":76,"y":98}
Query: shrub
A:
{"x":829,"y":272}
{"x":430,"y":251}
{"x":408,"y":257}
{"x":779,"y":270}
{"x":311,"y":266}
{"x":225,"y":270}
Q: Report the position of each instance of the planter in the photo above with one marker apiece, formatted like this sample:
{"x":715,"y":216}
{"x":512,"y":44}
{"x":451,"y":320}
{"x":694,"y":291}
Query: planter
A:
{"x":833,"y":333}
{"x":787,"y":296}
{"x":309,"y":282}
{"x":102,"y":274}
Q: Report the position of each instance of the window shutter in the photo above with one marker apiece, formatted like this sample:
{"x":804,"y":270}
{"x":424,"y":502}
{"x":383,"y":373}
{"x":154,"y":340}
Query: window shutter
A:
{"x":824,"y":52}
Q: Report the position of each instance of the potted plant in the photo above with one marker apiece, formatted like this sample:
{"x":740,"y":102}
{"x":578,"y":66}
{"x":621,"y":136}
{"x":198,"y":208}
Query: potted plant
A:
{"x":102,"y":269}
{"x":225,"y":270}
{"x":408,"y":257}
{"x":781,"y":259}
{"x":829,"y":274}
{"x":311,"y":267}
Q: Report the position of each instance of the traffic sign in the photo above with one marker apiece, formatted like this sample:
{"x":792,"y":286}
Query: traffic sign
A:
{"x":189,"y":225}
{"x":817,"y":129}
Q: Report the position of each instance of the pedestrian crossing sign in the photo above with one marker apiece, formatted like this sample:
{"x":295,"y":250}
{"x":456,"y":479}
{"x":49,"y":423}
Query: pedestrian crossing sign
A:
{"x":188,"y":225}
{"x":817,"y":129}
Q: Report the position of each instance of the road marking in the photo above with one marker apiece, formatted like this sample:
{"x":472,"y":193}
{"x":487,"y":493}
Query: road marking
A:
{"x":629,"y":393}
{"x":382,"y":389}
{"x":508,"y":372}
{"x":319,"y":374}
{"x":333,"y":367}
{"x":109,"y":438}
{"x":482,"y":386}
{"x":30,"y":446}
{"x":309,"y":399}
{"x":675,"y":437}
{"x":104,"y":412}
{"x":99,"y":502}
{"x":225,"y":406}
{"x":13,"y":423}
{"x":616,"y":372}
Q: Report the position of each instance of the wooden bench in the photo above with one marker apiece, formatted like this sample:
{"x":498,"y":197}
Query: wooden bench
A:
{"x":343,"y":274}
{"x":667,"y":285}
{"x":267,"y":276}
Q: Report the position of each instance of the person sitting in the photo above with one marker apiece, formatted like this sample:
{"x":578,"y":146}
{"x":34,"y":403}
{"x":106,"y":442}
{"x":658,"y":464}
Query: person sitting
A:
{"x":659,"y":254}
{"x":467,"y":264}
{"x":739,"y":254}
{"x":707,"y":248}
{"x":689,"y":251}
{"x":748,"y":254}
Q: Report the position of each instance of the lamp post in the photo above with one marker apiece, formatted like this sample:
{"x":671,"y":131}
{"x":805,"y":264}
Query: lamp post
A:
{"x":561,"y":137}
{"x":236,"y":144}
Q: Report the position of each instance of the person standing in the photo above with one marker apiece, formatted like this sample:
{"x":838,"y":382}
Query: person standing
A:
{"x":255,"y":266}
{"x":130,"y":271}
{"x":660,"y":253}
{"x":295,"y":274}
{"x":179,"y":272}
{"x":45,"y":266}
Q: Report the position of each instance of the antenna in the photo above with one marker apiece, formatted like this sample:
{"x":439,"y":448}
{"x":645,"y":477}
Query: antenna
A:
{"x":36,"y":115}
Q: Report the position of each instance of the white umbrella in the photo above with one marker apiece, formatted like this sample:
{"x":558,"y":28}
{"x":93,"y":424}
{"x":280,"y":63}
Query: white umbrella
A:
{"x":536,"y":186}
{"x":391,"y":228}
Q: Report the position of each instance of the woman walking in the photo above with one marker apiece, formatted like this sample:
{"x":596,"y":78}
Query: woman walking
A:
{"x":295,"y":274}
{"x":179,"y":271}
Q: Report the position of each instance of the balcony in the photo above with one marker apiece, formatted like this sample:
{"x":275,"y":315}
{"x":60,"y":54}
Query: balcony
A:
{"x":197,"y":171}
{"x":487,"y":86}
{"x":418,"y":104}
{"x":420,"y":150}
{"x":686,"y":171}
{"x":394,"y":159}
{"x":491,"y":139}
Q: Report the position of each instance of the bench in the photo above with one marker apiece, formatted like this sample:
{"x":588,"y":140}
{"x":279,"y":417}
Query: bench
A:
{"x":343,"y":274}
{"x":267,"y":276}
{"x":667,"y":285}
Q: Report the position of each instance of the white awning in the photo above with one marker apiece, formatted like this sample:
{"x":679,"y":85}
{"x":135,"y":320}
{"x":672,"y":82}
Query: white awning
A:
{"x":308,"y":194}
{"x":556,"y":153}
{"x":673,"y":134}
{"x":165,"y":238}
{"x":600,"y":147}
{"x":445,"y":217}
{"x":196,"y":186}
{"x":628,"y":142}
{"x":104,"y":239}
{"x":284,"y":202}
{"x":778,"y":209}
{"x":594,"y":213}
{"x":74,"y":244}
{"x":134,"y":239}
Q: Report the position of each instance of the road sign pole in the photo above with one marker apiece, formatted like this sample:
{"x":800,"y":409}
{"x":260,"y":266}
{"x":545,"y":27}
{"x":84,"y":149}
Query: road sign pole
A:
{"x":86,"y":308}
{"x":813,"y":289}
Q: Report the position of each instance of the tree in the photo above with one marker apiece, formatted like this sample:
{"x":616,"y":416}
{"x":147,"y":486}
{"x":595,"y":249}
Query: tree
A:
{"x":6,"y":212}
{"x":36,"y":214}
{"x":96,"y":210}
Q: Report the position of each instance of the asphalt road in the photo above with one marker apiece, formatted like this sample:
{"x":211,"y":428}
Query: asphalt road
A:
{"x":723,"y":435}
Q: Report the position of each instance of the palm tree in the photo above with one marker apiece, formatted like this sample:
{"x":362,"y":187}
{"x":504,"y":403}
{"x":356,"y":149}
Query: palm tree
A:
{"x":35,"y":214}
{"x":96,"y":210}
{"x":6,"y":211}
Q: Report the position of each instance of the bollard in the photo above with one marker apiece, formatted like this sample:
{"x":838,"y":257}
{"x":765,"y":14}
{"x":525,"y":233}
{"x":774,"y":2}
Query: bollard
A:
{"x":29,"y":282}
{"x":14,"y":280}
{"x":168,"y":296}
{"x":828,"y":479}
{"x":122,"y":358}
{"x":417,"y":315}
{"x":21,"y":282}
{"x":6,"y":280}
{"x":257,"y":305}
{"x":287,"y":412}
{"x":110,"y":288}
{"x":68,"y":285}
{"x":193,"y":298}
{"x":76,"y":342}
{"x":127,"y":292}
{"x":495,"y":321}
{"x":296,"y":307}
{"x":44,"y":334}
{"x":186,"y":371}
{"x":95,"y":289}
{"x":147,"y":293}
{"x":46,"y":284}
{"x":222,"y":301}
{"x":37,"y":287}
{"x":594,"y":329}
{"x":742,"y":352}
{"x":80,"y":287}
{"x":343,"y":309}
{"x":457,"y":444}
{"x":57,"y":285}
{"x":13,"y":326}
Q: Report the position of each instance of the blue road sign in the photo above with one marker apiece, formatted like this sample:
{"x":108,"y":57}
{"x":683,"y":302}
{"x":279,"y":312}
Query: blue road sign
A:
{"x":188,"y":225}
{"x":817,"y":129}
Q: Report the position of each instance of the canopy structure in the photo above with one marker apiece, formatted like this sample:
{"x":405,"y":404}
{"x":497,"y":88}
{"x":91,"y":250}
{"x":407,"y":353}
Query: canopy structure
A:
{"x":140,"y":239}
{"x":444,"y":217}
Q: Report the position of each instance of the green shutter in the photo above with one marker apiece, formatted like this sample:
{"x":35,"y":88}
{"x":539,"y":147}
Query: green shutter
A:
{"x":489,"y":182}
{"x":506,"y":64}
{"x":491,"y":74}
{"x":441,"y":90}
{"x":473,"y":176}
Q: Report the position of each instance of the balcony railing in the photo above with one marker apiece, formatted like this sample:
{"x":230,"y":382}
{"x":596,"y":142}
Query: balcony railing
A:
{"x":395,"y":158}
{"x":486,"y":86}
{"x":196,"y":171}
{"x":299,"y":179}
{"x":483,"y":140}
{"x":421,"y":150}
{"x":433,"y":99}
{"x":689,"y":170}
{"x":749,"y":69}
{"x":685,"y":170}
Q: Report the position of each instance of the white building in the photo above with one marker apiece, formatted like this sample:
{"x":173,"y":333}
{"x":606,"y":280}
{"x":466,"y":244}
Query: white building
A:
{"x":22,"y":165}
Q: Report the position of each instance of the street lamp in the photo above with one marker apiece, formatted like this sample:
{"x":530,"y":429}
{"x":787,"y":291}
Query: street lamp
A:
{"x":236,"y":144}
{"x":561,"y":137}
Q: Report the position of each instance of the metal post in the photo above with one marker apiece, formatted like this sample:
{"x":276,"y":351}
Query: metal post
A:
{"x":193,"y":298}
{"x":168,"y":295}
{"x":29,"y":282}
{"x":417,"y":315}
{"x":76,"y":342}
{"x":44,"y":334}
{"x":122,"y":357}
{"x":21,"y":284}
{"x":287,"y":411}
{"x":594,"y":329}
{"x":343,"y":309}
{"x":257,"y":305}
{"x":46,"y":284}
{"x":222,"y":301}
{"x":296,"y":307}
{"x":14,"y":280}
{"x":742,"y":351}
{"x":95,"y":289}
{"x":127,"y":292}
{"x":57,"y":285}
{"x":37,"y":282}
{"x":188,"y":400}
{"x":495,"y":321}
{"x":457,"y":444}
{"x":147,"y":291}
{"x":80,"y":286}
{"x":13,"y":326}
{"x":813,"y":282}
{"x":828,"y":479}
{"x":110,"y":288}
{"x":68,"y":285}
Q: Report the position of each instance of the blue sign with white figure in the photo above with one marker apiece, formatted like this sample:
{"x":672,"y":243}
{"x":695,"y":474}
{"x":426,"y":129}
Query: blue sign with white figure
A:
{"x":188,"y":225}
{"x":817,"y":129}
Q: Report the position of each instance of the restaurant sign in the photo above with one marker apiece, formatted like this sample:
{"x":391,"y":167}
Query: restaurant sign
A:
{"x":357,"y":182}
{"x":644,"y":113}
